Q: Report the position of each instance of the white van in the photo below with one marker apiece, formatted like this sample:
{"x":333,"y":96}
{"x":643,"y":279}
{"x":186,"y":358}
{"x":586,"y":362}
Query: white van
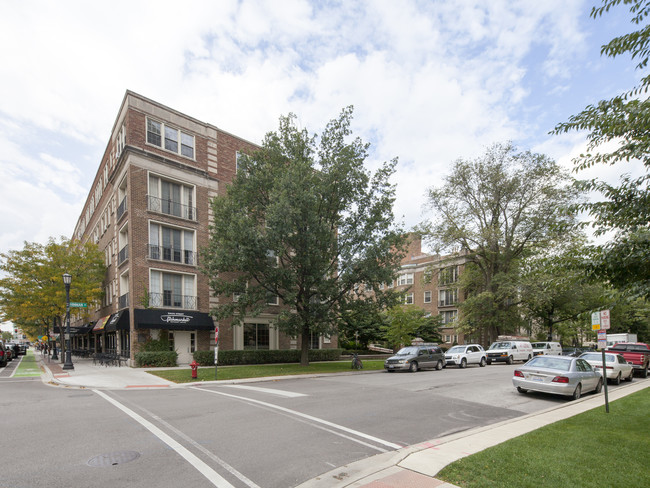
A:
{"x":509,"y":351}
{"x":549,"y":348}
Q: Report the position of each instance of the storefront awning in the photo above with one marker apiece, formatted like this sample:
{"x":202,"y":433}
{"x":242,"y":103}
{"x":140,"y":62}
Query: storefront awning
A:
{"x":172,"y":320}
{"x":118,"y":321}
{"x":82,"y":329}
{"x":101,"y":323}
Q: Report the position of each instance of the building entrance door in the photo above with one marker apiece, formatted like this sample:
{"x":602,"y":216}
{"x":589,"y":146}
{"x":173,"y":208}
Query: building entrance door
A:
{"x":185,"y":345}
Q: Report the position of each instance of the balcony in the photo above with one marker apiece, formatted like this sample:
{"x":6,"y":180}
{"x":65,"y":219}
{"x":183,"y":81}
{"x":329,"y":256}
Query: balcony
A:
{"x":123,"y":301}
{"x":123,"y":255}
{"x":162,"y":253}
{"x":121,"y":209}
{"x":170,"y":207}
{"x":173,"y":300}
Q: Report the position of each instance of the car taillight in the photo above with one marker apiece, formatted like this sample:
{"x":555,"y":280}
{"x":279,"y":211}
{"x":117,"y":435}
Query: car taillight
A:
{"x":609,"y":367}
{"x":560,"y":379}
{"x":519,"y":373}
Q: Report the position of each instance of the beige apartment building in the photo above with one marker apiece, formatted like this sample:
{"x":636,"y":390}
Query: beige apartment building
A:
{"x":430,"y":282}
{"x":149,"y":211}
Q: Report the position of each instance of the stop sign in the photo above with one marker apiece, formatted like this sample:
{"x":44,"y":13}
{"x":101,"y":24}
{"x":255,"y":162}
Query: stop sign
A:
{"x":216,"y":335}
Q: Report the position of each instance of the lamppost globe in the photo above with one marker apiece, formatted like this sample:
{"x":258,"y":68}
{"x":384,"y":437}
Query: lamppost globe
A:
{"x":67,"y":279}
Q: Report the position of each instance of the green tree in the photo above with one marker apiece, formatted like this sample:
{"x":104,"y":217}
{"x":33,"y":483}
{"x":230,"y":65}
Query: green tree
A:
{"x":303,"y":221}
{"x":406,"y":322}
{"x":32,"y":293}
{"x":497,"y":209}
{"x":555,"y":289}
{"x":623,"y":122}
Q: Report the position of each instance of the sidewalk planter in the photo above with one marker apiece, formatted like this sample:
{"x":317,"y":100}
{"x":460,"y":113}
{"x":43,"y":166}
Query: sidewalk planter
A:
{"x":154,"y":359}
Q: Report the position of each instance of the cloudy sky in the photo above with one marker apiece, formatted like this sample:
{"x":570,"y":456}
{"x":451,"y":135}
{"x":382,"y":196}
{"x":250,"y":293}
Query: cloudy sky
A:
{"x":431,"y":82}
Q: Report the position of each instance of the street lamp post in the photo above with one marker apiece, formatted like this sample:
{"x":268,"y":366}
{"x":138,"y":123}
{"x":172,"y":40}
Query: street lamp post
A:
{"x":67,"y":279}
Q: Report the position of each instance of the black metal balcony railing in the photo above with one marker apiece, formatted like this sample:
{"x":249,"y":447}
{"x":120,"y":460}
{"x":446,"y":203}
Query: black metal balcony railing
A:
{"x":124,"y":301}
{"x":163,"y":253}
{"x":121,"y":209}
{"x":169,"y":207}
{"x":174,"y":300}
{"x":123,"y":255}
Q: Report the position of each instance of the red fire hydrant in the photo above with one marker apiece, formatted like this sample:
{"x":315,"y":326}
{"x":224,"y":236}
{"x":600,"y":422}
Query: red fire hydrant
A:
{"x":195,"y":366}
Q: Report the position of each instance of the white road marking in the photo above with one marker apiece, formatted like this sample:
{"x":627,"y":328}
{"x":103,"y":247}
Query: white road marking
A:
{"x":308,"y":417}
{"x":202,"y":467}
{"x":288,"y":394}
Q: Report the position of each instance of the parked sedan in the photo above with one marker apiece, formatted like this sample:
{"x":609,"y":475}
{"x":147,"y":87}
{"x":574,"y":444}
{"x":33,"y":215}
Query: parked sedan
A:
{"x":616,"y":367}
{"x":559,"y":375}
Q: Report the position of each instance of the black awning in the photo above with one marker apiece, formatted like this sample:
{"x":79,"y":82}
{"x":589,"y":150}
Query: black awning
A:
{"x":82,"y":329}
{"x":118,"y":321}
{"x":172,"y":320}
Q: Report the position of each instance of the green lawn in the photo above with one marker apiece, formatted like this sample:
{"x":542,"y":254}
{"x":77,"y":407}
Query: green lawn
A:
{"x":593,"y":449}
{"x":261,"y":370}
{"x":28,"y":366}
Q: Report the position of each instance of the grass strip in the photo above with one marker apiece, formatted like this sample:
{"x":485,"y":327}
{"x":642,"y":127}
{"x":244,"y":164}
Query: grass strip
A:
{"x":28,"y":366}
{"x":593,"y":449}
{"x":262,"y":370}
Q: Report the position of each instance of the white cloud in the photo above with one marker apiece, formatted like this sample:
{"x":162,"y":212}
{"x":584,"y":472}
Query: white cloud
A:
{"x":430,"y":82}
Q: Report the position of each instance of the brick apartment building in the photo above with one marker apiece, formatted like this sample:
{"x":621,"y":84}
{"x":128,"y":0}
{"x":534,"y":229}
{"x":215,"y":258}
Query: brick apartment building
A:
{"x":439,"y":295}
{"x":149,"y":211}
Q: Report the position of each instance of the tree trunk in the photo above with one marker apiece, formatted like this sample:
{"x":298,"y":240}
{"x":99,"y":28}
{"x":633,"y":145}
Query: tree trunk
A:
{"x":304,"y":346}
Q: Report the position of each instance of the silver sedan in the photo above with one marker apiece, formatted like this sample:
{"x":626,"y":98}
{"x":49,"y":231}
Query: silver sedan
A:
{"x":559,"y":375}
{"x":616,"y":367}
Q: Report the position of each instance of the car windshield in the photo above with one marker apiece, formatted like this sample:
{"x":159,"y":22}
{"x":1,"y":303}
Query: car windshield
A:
{"x":407,"y":351}
{"x":550,"y":362}
{"x":456,"y":349}
{"x":596,"y":356}
{"x":500,"y":345}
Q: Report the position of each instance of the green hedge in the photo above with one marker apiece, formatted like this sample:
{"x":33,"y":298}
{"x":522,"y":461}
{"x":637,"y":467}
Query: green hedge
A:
{"x":230,"y":358}
{"x":150,"y":359}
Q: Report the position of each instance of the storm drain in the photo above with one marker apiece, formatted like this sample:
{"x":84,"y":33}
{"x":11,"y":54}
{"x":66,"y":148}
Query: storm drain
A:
{"x":113,"y":459}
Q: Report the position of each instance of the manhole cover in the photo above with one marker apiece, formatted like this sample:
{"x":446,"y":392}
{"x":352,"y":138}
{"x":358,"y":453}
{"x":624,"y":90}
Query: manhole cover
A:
{"x":113,"y":459}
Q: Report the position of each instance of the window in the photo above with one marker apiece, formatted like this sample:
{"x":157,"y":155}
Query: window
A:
{"x":155,"y":131}
{"x":170,"y":244}
{"x":172,"y":290}
{"x":272,"y":299}
{"x":256,"y":336}
{"x":448,"y":297}
{"x":405,"y":279}
{"x":238,"y":158}
{"x":449,"y":316}
{"x":448,"y":275}
{"x":314,"y":341}
{"x":427,"y":297}
{"x":171,"y":198}
{"x":408,"y":299}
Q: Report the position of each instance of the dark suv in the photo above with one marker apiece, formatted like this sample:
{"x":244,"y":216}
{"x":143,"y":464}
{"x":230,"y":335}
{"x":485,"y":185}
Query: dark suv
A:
{"x":413,"y":358}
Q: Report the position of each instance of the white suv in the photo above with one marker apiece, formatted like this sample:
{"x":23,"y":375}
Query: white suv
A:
{"x":466,"y":354}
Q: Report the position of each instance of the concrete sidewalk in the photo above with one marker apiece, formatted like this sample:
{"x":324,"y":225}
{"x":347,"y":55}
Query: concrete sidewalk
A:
{"x":410,"y":467}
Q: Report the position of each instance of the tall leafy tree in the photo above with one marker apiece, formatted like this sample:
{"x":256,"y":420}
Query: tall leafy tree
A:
{"x":405,"y":322}
{"x":624,"y":122}
{"x":498,"y":209}
{"x":32,"y":293}
{"x":304,"y":221}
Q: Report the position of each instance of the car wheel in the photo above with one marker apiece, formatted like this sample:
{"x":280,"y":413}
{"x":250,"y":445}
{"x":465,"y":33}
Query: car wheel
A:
{"x":414,"y":367}
{"x":631,"y":377}
{"x":645,"y":373}
{"x":509,"y":360}
{"x":522,"y":390}
{"x":390,"y":370}
{"x":439,"y":365}
{"x":489,"y":361}
{"x":577,"y":392}
{"x":599,"y":386}
{"x":463,"y":363}
{"x":617,"y":380}
{"x":482,"y":363}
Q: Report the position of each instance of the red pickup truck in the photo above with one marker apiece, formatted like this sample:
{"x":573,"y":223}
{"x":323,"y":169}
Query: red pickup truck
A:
{"x":635,"y":353}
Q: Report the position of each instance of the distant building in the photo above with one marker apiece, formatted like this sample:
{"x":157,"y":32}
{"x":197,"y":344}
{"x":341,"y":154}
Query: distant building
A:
{"x":149,"y":211}
{"x":430,"y":282}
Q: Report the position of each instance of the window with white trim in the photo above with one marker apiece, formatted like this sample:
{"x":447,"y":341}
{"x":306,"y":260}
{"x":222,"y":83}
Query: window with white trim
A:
{"x":171,"y":244}
{"x":405,"y":279}
{"x":447,"y":297}
{"x":169,"y":138}
{"x":408,"y":299}
{"x":427,"y":297}
{"x":172,"y":290}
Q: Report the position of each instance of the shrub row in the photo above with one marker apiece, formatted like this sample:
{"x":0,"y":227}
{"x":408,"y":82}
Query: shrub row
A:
{"x":151,"y":359}
{"x":230,"y":358}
